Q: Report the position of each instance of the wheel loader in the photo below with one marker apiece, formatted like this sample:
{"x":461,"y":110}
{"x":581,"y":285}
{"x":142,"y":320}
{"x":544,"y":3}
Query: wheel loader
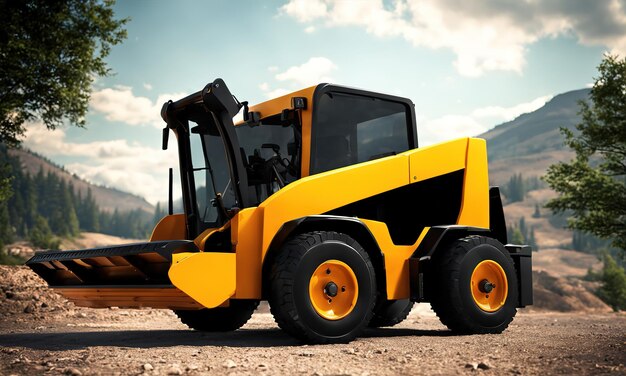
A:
{"x":322,"y":203}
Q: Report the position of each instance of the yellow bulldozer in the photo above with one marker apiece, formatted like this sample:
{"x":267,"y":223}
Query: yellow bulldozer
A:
{"x":321,"y":203}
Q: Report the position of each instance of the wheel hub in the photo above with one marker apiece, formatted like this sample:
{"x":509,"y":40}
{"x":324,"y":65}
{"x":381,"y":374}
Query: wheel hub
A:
{"x":486,"y":286}
{"x":333,"y":290}
{"x":489,"y":286}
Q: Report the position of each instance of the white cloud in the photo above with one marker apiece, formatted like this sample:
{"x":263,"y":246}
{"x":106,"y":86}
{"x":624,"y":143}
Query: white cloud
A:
{"x":309,"y":29}
{"x":305,"y":10}
{"x":120,"y":104}
{"x":478,"y":121}
{"x":314,"y":71}
{"x":510,"y":113}
{"x":484,"y":36}
{"x":125,"y":165}
{"x":277,"y":93}
{"x":147,"y":86}
{"x":447,"y":128}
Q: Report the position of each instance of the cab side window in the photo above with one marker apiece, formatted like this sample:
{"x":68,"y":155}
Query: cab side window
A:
{"x":350,"y":129}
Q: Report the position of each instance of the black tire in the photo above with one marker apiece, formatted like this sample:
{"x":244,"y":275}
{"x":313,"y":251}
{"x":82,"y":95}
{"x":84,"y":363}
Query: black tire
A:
{"x":452,"y":298}
{"x":390,"y":312}
{"x":220,"y":319}
{"x":289,"y":297}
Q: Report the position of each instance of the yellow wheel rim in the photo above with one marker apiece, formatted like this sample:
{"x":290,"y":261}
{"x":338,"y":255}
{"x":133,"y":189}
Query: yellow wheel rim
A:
{"x":489,"y":286}
{"x":333,"y":290}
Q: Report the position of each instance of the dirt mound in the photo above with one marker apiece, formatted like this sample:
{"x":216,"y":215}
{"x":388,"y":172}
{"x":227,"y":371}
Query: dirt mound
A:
{"x":565,"y":294}
{"x":22,"y":291}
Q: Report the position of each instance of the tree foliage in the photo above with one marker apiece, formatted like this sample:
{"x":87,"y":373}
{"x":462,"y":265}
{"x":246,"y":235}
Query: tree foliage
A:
{"x":44,"y":207}
{"x":50,"y":53}
{"x":593,"y":185}
{"x":613,"y":289}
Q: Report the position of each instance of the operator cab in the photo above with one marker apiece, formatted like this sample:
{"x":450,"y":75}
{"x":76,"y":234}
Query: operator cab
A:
{"x":227,"y":167}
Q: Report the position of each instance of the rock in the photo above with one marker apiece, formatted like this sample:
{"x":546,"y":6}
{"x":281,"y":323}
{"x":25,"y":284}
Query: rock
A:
{"x":175,"y":370}
{"x":9,"y":295}
{"x":484,"y":365}
{"x":262,"y":366}
{"x":192,"y":367}
{"x":29,"y":308}
{"x":73,"y":372}
{"x":229,"y":364}
{"x":147,"y":367}
{"x":473,"y":366}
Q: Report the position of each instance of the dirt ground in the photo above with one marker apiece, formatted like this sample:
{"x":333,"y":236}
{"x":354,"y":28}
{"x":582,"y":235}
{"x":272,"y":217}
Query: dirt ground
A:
{"x":41,"y":333}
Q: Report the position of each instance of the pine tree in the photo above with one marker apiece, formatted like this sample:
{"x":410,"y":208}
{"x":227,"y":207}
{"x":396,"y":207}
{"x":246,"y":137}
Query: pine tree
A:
{"x":532,"y":241}
{"x":613,"y":290}
{"x":537,"y":213}
{"x":41,"y":236}
{"x":522,"y":227}
{"x":515,"y":188}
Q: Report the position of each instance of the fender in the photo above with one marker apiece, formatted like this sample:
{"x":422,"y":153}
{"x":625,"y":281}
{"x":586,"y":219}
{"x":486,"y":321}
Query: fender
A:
{"x":349,"y":225}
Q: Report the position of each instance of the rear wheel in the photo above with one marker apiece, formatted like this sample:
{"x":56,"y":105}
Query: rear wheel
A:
{"x":390,"y":312}
{"x":475,"y":288}
{"x":220,"y":319}
{"x":322,"y":287}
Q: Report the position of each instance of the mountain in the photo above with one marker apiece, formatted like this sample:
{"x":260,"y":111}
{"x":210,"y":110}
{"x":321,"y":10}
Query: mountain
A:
{"x":527,"y":145}
{"x":532,"y":141}
{"x":108,"y":199}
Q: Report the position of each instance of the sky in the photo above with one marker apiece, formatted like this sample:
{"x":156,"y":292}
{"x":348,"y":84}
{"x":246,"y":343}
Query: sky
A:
{"x":467,"y":65}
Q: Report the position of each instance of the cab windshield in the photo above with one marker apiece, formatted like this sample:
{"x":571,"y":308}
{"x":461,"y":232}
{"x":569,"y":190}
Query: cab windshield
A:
{"x":211,"y":172}
{"x":271,"y":157}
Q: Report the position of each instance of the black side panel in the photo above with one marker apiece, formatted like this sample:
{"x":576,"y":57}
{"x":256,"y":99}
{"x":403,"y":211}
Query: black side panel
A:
{"x":408,"y":209}
{"x":497,"y":223}
{"x":522,"y":256}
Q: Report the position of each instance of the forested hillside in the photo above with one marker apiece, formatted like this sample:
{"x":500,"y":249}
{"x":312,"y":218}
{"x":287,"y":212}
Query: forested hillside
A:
{"x":520,"y":152}
{"x":44,"y":207}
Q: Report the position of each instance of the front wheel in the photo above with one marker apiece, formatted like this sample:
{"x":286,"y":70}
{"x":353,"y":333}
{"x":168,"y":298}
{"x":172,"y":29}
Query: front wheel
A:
{"x":475,"y":289}
{"x":322,"y":287}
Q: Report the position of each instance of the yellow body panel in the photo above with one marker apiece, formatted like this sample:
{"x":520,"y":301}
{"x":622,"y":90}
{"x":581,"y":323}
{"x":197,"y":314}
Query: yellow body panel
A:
{"x":246,"y":236}
{"x":201,"y":239}
{"x":277,"y":105}
{"x":396,"y":259}
{"x":169,"y":228}
{"x":435,"y":160}
{"x":475,"y":203}
{"x":207,"y":277}
{"x":320,"y":193}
